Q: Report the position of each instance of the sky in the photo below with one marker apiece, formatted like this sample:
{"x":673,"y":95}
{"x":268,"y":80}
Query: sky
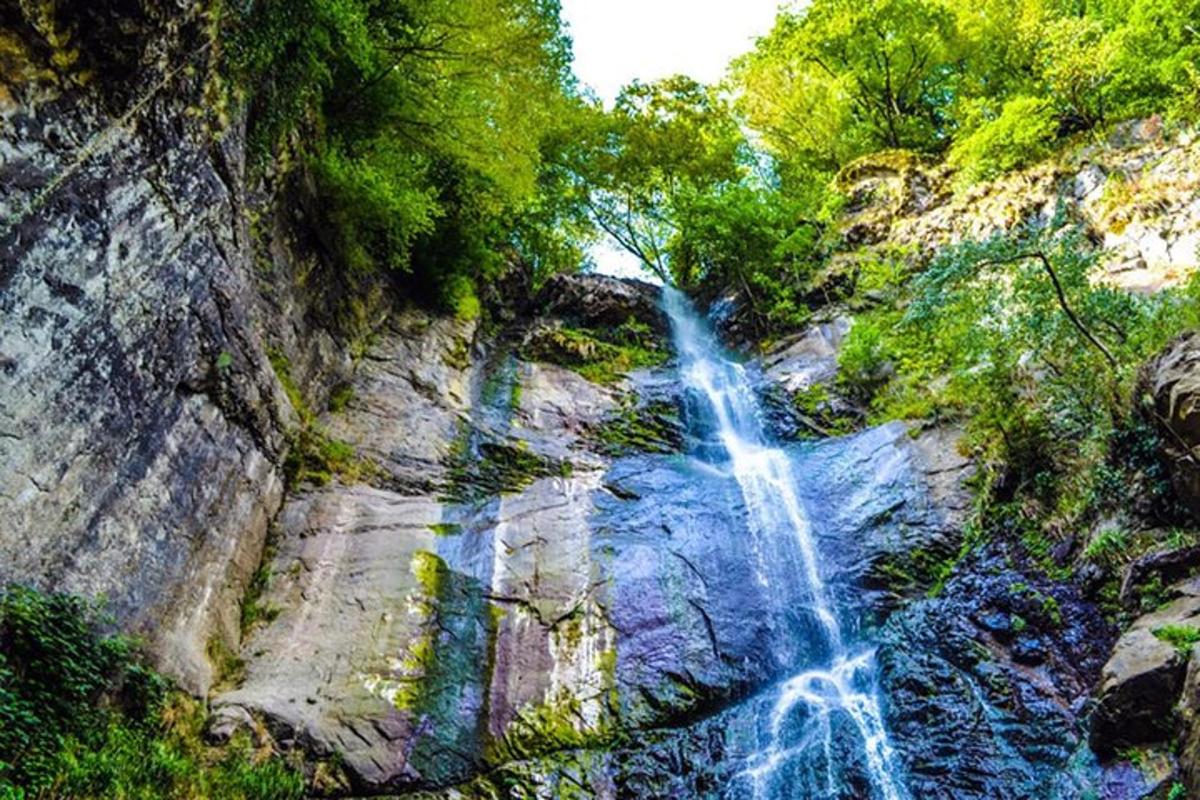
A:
{"x":617,"y":41}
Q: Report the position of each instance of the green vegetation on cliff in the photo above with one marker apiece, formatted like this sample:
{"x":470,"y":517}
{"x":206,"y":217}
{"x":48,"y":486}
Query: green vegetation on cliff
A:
{"x":1016,"y":339}
{"x":80,"y":717}
{"x":430,"y":129}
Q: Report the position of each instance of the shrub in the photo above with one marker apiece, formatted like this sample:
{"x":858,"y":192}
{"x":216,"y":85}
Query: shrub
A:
{"x":80,"y":717}
{"x":1181,"y":637}
{"x":1021,"y":134}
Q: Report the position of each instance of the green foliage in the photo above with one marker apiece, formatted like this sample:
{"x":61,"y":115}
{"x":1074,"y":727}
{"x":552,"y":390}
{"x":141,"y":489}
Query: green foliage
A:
{"x":430,"y":128}
{"x":81,"y":718}
{"x":1022,"y":133}
{"x":1181,"y":637}
{"x":839,"y":78}
{"x":1041,"y":382}
{"x":643,"y":163}
{"x":254,"y":608}
{"x":379,"y":202}
{"x":1000,"y":79}
{"x":340,"y":398}
{"x":1110,"y":546}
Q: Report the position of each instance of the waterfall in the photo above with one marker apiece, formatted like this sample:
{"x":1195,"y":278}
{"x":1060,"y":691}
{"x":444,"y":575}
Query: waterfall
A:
{"x":800,"y":734}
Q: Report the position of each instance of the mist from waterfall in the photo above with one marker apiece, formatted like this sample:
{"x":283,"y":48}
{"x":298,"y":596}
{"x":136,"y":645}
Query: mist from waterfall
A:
{"x":834,"y":698}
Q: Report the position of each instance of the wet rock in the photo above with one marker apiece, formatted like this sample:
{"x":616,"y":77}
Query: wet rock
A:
{"x":799,"y":383}
{"x":890,"y":507}
{"x":986,"y":684}
{"x":422,"y":639}
{"x":409,"y":394}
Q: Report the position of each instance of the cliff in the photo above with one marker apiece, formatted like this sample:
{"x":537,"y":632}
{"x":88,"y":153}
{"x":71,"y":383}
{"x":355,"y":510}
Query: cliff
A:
{"x":425,"y":552}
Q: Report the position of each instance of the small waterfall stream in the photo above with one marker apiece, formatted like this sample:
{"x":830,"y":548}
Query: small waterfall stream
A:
{"x":811,"y":710}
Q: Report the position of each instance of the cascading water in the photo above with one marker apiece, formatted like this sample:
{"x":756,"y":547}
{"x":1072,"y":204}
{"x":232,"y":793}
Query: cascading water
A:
{"x":811,"y":709}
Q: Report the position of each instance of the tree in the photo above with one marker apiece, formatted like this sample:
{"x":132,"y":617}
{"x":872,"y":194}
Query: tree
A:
{"x":844,"y":77}
{"x":424,"y":122}
{"x":662,"y":144}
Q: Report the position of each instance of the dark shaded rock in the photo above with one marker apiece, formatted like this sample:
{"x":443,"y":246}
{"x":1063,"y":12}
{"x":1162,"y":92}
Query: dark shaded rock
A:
{"x":1168,"y":566}
{"x":600,"y":301}
{"x":1170,"y":385}
{"x":984,"y":708}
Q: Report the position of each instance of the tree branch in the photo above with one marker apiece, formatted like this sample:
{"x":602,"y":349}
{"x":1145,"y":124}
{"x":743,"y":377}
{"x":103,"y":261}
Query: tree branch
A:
{"x":1062,"y":298}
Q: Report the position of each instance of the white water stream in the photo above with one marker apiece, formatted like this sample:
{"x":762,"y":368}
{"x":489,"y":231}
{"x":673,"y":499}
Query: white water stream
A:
{"x":804,"y":720}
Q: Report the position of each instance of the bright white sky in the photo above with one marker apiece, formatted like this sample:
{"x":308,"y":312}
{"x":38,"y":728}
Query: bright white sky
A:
{"x":617,"y":41}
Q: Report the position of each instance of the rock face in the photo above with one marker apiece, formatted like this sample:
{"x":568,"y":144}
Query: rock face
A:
{"x":1170,"y":385}
{"x":142,"y":421}
{"x":421,"y":633}
{"x":1137,"y":192}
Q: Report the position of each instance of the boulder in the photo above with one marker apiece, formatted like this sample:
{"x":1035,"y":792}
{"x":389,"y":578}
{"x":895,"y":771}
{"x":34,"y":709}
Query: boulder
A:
{"x":1141,"y":684}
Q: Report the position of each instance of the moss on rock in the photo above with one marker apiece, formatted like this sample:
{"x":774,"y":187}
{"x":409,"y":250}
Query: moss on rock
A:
{"x":635,"y":427}
{"x":601,"y":356}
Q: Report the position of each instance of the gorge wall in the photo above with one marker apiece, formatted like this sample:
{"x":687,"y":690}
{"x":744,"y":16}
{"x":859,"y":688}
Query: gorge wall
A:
{"x":522,"y":585}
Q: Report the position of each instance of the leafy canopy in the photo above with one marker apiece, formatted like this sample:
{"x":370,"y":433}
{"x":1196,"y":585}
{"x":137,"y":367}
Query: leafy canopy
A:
{"x":427,"y":125}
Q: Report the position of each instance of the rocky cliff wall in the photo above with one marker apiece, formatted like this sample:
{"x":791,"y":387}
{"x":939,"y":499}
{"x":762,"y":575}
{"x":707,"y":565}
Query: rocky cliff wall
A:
{"x":141,"y":422}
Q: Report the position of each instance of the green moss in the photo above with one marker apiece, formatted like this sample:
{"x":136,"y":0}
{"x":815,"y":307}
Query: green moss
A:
{"x":815,"y":405}
{"x":1110,"y":546}
{"x":603,"y":357}
{"x":1181,"y":637}
{"x":314,"y":456}
{"x":459,"y":355}
{"x":340,"y":397}
{"x":486,"y":469}
{"x":1152,"y":594}
{"x":228,"y":667}
{"x":254,"y":608}
{"x":915,"y":570}
{"x":650,"y":428}
{"x":446,"y":529}
{"x":283,"y":371}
